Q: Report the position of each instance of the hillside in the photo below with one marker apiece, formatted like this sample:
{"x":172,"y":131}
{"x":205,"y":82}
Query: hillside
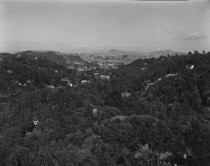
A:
{"x":57,"y":57}
{"x":153,"y":111}
{"x":31,"y":71}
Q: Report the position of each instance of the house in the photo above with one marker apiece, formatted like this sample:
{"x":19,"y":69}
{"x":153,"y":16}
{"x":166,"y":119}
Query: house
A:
{"x":159,"y":79}
{"x":70,"y":84}
{"x":171,"y":75}
{"x":142,"y":150}
{"x":80,"y":69}
{"x":105,"y":77}
{"x":85,"y":81}
{"x":18,"y":83}
{"x":96,"y":75}
{"x":190,"y":67}
{"x":68,"y":81}
{"x":125,"y":94}
{"x":28,"y":81}
{"x":30,"y":128}
{"x":9,"y":71}
{"x":94,"y":112}
{"x":164,"y":155}
{"x":143,"y":68}
{"x":51,"y":86}
{"x":70,"y":67}
{"x":119,"y":117}
{"x":149,"y":84}
{"x":188,"y":153}
{"x":35,"y":122}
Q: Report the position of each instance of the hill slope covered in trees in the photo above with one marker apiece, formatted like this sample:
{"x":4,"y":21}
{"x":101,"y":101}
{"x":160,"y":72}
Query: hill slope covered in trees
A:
{"x":151,"y":112}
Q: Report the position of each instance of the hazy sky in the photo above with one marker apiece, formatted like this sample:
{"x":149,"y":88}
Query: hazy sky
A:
{"x":96,"y":24}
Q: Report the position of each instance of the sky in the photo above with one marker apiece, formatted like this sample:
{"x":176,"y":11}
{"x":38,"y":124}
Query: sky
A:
{"x":87,"y":25}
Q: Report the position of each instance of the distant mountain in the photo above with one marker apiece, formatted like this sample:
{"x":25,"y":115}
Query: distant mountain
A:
{"x":135,"y":54}
{"x":124,"y":56}
{"x":112,"y":56}
{"x":163,"y":53}
{"x":60,"y":58}
{"x":120,"y":56}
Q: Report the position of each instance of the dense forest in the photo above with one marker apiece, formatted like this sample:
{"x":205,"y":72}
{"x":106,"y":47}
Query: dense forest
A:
{"x":151,"y":112}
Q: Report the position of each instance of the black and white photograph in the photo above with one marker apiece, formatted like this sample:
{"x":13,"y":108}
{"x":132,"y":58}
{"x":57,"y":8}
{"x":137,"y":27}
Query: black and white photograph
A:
{"x":104,"y":82}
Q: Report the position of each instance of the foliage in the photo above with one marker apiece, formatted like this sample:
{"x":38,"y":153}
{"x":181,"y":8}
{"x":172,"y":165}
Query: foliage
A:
{"x":171,"y":116}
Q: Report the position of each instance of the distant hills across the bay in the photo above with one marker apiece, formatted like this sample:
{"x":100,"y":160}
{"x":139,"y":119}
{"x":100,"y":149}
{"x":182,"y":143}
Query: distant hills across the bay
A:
{"x":123,"y":56}
{"x":130,"y":55}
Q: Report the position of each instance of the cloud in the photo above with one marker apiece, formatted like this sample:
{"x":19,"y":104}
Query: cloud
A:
{"x":192,"y":36}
